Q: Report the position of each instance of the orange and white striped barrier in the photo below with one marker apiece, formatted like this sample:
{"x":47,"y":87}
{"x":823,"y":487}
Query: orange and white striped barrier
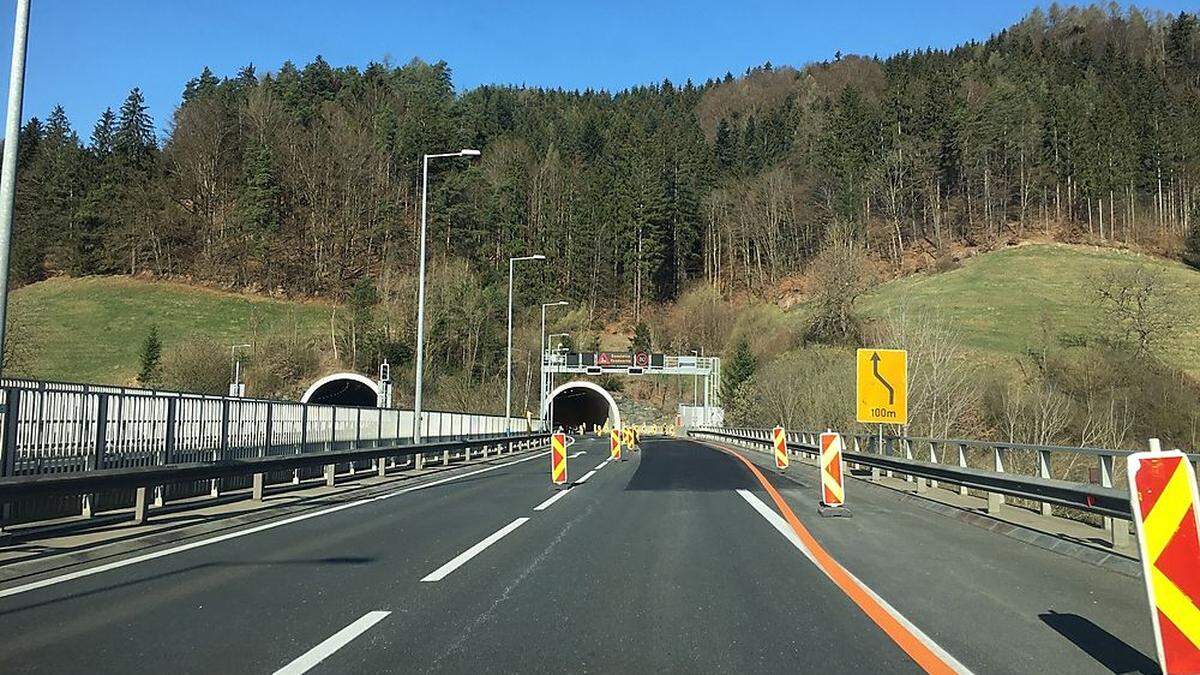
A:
{"x":833,"y":483}
{"x":558,"y":459}
{"x":614,"y":445}
{"x":1166,"y":514}
{"x":781,"y":454}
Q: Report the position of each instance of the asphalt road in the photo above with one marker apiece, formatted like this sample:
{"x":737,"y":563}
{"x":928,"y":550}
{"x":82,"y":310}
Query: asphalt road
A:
{"x":675,"y":561}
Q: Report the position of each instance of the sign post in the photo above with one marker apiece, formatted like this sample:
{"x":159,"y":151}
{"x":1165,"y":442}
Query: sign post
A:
{"x":558,"y":459}
{"x":614,"y":446}
{"x":781,"y":454}
{"x":1166,"y":514}
{"x":833,"y":482}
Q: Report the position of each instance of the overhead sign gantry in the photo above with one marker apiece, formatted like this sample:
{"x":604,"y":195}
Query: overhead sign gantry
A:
{"x":706,"y":368}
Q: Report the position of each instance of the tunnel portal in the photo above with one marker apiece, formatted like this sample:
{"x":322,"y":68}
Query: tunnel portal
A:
{"x":582,"y":403}
{"x":349,"y":389}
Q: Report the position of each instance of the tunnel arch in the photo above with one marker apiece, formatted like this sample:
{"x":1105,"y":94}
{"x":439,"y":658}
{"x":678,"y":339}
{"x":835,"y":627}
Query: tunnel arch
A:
{"x":580,"y":401}
{"x":349,"y":389}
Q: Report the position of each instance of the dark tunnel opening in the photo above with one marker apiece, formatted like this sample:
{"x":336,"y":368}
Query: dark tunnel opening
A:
{"x":345,"y":392}
{"x":575,"y":406}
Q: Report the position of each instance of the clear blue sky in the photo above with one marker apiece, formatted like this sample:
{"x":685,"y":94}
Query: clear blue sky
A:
{"x":87,"y":54}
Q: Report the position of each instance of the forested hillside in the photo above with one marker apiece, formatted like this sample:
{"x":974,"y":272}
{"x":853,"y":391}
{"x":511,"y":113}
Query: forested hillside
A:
{"x":1084,"y":121}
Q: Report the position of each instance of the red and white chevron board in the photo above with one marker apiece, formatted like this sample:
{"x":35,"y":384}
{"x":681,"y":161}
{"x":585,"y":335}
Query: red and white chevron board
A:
{"x":558,"y":459}
{"x":614,"y":444}
{"x":779,"y":438}
{"x":833,"y":488}
{"x":1166,"y":513}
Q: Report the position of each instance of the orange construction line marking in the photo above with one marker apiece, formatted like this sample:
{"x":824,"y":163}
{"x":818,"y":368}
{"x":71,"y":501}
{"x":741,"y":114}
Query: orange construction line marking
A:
{"x":900,"y":634}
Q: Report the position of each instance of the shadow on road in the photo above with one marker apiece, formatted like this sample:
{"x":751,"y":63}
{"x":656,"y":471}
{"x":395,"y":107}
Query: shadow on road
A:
{"x":687,"y":467}
{"x":1109,"y":650}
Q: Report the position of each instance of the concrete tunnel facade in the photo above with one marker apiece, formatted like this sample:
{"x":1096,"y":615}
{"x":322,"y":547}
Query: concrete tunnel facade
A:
{"x":350,"y":389}
{"x":581,"y":402}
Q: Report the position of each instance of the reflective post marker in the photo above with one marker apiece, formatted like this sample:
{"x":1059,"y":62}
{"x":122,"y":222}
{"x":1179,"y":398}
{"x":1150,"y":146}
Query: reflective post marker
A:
{"x":1166,"y":513}
{"x":781,"y":454}
{"x":833,"y":488}
{"x":558,"y":459}
{"x":614,"y":445}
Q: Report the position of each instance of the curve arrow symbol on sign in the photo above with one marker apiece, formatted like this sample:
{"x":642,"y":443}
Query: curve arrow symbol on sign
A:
{"x":875,"y":368}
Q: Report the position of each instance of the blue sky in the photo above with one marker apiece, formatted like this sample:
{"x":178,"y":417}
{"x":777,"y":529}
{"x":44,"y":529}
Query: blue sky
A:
{"x":87,"y":54}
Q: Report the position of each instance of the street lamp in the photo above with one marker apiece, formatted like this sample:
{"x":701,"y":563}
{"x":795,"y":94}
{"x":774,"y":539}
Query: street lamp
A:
{"x":465,"y":152}
{"x":542,"y":355}
{"x":508,"y":358}
{"x":8,"y":174}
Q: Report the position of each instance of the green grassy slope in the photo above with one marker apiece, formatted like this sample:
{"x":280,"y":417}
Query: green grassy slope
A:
{"x":1001,"y":301}
{"x":90,"y":329}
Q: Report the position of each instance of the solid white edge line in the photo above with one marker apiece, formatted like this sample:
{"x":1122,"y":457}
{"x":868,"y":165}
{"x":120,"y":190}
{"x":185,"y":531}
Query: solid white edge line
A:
{"x":581,"y":452}
{"x":601,"y":465}
{"x":584,"y":477}
{"x":462,"y":558}
{"x":785,"y":529}
{"x":340,"y":639}
{"x":79,"y":574}
{"x":553,"y":498}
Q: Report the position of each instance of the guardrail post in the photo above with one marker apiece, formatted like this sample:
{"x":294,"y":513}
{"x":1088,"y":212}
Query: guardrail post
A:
{"x":381,"y":461}
{"x":139,"y":507}
{"x":995,"y":499}
{"x":1044,"y":472}
{"x":933,"y":459}
{"x":962,"y":464}
{"x":168,"y":453}
{"x":95,"y":458}
{"x":1118,"y":530}
{"x":357,"y":438}
{"x":223,"y":446}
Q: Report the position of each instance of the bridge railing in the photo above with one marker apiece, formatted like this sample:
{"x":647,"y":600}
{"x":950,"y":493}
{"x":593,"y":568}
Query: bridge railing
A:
{"x":65,"y":428}
{"x":1082,"y":483}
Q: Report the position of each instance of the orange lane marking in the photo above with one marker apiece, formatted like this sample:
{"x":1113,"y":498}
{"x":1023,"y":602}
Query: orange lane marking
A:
{"x":905,"y":639}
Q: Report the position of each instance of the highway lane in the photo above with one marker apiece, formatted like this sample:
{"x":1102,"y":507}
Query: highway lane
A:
{"x":252,"y":603}
{"x":654,"y":563}
{"x":997,"y":604}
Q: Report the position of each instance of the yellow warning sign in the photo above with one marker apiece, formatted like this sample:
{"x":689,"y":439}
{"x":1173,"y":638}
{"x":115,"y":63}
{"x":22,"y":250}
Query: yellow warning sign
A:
{"x":882,"y":390}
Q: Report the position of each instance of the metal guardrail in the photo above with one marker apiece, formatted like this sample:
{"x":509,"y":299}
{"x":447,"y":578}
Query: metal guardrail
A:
{"x":896,"y":456}
{"x":62,"y":428}
{"x":145,"y":477}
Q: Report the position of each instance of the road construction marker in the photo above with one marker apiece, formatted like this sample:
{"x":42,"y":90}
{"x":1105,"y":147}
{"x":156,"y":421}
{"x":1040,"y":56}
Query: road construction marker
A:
{"x":781,"y":455}
{"x":614,"y":445}
{"x":833,"y":485}
{"x":558,"y":459}
{"x":1166,"y":515}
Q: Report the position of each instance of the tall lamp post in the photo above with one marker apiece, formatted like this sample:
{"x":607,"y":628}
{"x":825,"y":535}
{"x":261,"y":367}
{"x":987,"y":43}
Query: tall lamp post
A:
{"x":508,"y":358}
{"x":12,"y":129}
{"x":465,"y":152}
{"x":542,"y":356}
